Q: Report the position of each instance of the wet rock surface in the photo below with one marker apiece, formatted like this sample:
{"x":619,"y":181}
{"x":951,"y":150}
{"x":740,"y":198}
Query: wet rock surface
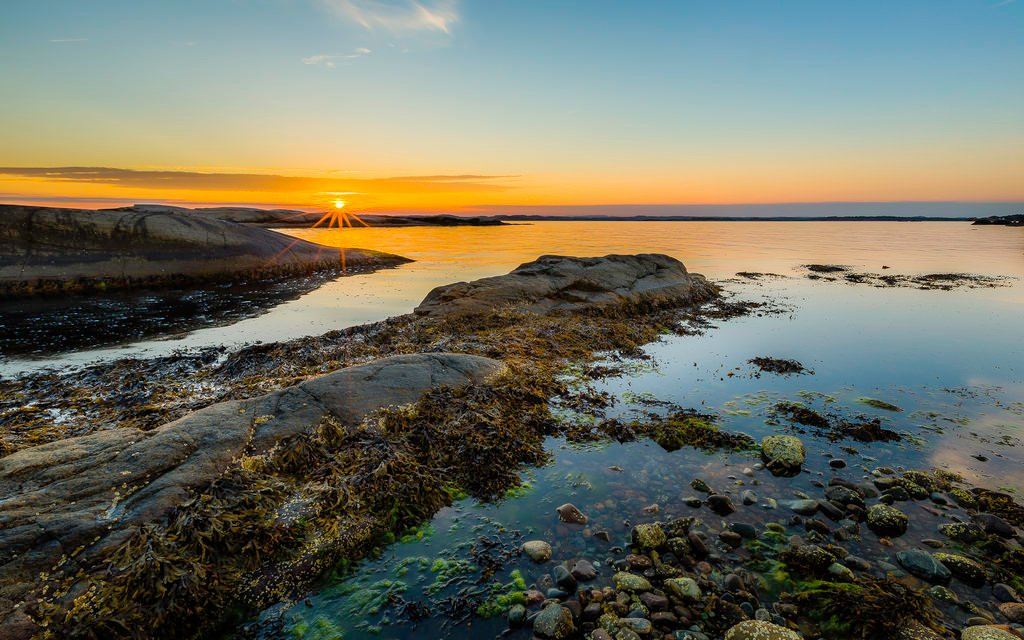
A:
{"x":48,"y":250}
{"x":562,"y":283}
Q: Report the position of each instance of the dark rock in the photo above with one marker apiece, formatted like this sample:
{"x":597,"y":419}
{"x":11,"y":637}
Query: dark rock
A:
{"x":570,"y":514}
{"x":554,"y":622}
{"x":887,"y":521}
{"x":720,"y":504}
{"x":584,"y":571}
{"x":923,"y":565}
{"x":993,"y":524}
{"x":564,"y":579}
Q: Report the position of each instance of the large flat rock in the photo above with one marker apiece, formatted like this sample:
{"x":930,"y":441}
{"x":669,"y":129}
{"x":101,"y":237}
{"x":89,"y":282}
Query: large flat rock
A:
{"x":51,"y":249}
{"x":82,"y":495}
{"x":564,"y":283}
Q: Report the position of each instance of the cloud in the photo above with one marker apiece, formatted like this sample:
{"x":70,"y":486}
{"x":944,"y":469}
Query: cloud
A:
{"x":1003,"y":3}
{"x":69,"y":39}
{"x":202,"y":181}
{"x":330,"y":60}
{"x":399,"y":16}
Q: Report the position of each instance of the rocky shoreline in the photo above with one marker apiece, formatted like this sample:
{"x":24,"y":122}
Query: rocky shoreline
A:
{"x":188,"y":494}
{"x":49,"y":251}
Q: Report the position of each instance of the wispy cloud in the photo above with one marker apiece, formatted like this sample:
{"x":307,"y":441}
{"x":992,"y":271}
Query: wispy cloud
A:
{"x":68,"y":39}
{"x":330,"y":60}
{"x":399,"y":16}
{"x":203,"y":181}
{"x":1003,"y":3}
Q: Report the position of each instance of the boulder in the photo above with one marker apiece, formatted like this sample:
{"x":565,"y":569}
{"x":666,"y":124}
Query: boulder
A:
{"x":563,"y":283}
{"x":988,"y":632}
{"x":79,"y":496}
{"x":887,"y":521}
{"x":44,"y":249}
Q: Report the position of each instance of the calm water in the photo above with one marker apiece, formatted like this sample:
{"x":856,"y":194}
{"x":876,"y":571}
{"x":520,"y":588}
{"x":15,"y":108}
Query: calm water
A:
{"x":444,"y":255}
{"x":951,"y":360}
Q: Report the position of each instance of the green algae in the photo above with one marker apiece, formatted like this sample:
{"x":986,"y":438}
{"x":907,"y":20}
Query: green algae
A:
{"x":879,"y":404}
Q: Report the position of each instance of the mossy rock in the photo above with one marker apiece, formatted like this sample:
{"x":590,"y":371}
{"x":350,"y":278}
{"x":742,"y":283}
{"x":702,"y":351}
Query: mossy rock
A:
{"x":760,"y":630}
{"x":965,"y":569}
{"x":783,"y":455}
{"x":625,"y":581}
{"x":649,"y":536}
{"x":887,"y":521}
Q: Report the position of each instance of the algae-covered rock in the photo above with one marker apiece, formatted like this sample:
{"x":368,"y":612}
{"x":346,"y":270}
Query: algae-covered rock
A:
{"x":885,"y":520}
{"x":965,"y":569}
{"x":563,"y":283}
{"x":649,"y":536}
{"x":987,"y":632}
{"x":554,"y":622}
{"x":783,"y":455}
{"x":760,"y":630}
{"x":78,"y":497}
{"x":685,"y":589}
{"x":625,"y":581}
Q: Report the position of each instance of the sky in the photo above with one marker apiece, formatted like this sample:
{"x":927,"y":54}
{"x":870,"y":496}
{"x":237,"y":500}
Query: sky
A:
{"x":474,"y":106}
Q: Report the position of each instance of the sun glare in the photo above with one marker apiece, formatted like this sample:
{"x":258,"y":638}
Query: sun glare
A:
{"x":339,"y":204}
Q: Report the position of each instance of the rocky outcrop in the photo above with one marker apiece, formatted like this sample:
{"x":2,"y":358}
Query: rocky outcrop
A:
{"x":562,"y":283}
{"x":80,"y":496}
{"x":48,"y":250}
{"x":283,"y":218}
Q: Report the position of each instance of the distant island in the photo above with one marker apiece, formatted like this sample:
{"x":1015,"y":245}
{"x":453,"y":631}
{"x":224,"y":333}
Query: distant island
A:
{"x":1016,"y":220}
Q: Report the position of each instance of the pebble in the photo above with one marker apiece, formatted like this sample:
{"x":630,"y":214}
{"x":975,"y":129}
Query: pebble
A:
{"x":923,"y":565}
{"x":537,"y":550}
{"x":571,"y":514}
{"x":720,"y":504}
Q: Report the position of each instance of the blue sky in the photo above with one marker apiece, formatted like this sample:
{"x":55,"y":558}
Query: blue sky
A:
{"x":583,"y":102}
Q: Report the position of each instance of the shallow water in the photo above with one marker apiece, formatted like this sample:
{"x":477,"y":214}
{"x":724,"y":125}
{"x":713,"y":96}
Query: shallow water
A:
{"x":444,"y":255}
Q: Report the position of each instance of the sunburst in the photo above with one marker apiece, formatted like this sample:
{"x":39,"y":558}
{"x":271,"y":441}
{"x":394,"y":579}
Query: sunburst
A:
{"x":338,"y":217}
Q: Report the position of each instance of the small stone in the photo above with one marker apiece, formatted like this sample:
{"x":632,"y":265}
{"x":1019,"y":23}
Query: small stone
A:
{"x":639,"y":626}
{"x":564,"y":579}
{"x":731,"y":538}
{"x":994,"y":524}
{"x":685,"y":589}
{"x":887,"y":521}
{"x":600,"y":634}
{"x":692,"y":501}
{"x":537,"y":550}
{"x":625,"y":581}
{"x":837,"y":463}
{"x":554,"y":622}
{"x":748,"y":497}
{"x":1014,"y":611}
{"x":699,"y":485}
{"x":783,"y":455}
{"x":584,"y":571}
{"x":720,"y":504}
{"x":966,"y":570}
{"x":987,"y":632}
{"x":938,"y":498}
{"x":923,"y":565}
{"x":648,"y":536}
{"x":962,"y":531}
{"x":516,"y":615}
{"x":760,"y":630}
{"x":841,"y":573}
{"x":804,"y":507}
{"x":1005,"y":593}
{"x":653,"y":601}
{"x":744,"y":529}
{"x":570,"y":514}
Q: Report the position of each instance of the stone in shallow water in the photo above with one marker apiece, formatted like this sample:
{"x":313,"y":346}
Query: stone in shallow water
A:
{"x":625,"y":581}
{"x":887,"y":521}
{"x":570,"y":514}
{"x":537,"y":550}
{"x":722,"y":505}
{"x":987,"y":632}
{"x":760,"y":630}
{"x":804,"y":507}
{"x":554,"y":623}
{"x":923,"y":565}
{"x":683,"y":588}
{"x":584,"y":571}
{"x":783,"y":455}
{"x":965,"y":569}
{"x":1014,"y":611}
{"x":648,"y":536}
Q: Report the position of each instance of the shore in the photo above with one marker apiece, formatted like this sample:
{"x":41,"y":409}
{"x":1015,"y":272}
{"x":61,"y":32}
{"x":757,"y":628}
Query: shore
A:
{"x":504,"y":365}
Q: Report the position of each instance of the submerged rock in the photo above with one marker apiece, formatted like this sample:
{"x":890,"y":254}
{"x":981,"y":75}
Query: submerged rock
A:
{"x":563,"y":283}
{"x":537,"y":550}
{"x":783,"y":455}
{"x":570,"y":513}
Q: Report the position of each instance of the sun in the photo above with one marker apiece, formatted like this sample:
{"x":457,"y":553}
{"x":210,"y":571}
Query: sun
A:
{"x":339,"y":204}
